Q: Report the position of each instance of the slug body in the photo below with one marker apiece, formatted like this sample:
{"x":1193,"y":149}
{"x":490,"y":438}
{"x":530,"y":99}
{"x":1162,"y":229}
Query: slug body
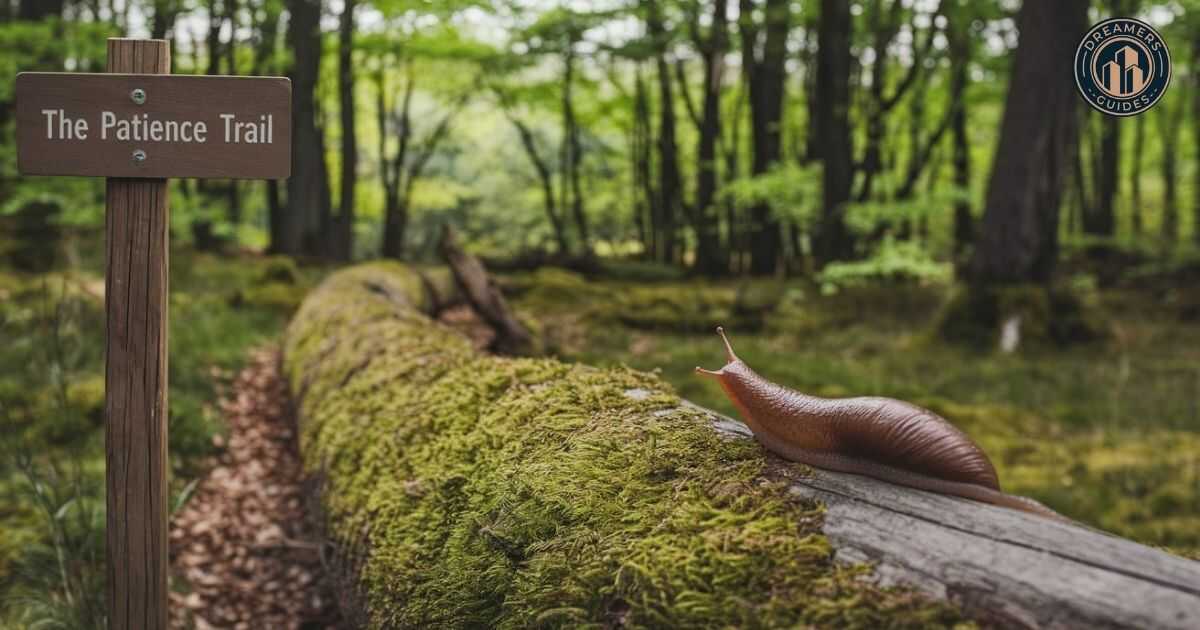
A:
{"x":884,"y":438}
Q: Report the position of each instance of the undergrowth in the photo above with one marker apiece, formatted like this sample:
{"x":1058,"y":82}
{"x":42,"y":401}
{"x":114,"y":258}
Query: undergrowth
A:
{"x":52,"y":411}
{"x":1103,"y":431}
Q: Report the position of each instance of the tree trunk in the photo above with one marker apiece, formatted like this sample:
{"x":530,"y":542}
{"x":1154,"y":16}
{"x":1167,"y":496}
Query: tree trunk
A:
{"x":395,"y":223}
{"x":711,"y":259}
{"x":37,"y":10}
{"x":732,"y":147}
{"x":1196,"y":133}
{"x":266,"y":28}
{"x":572,"y":152}
{"x":959,"y":41}
{"x":1099,"y":219}
{"x":1135,"y":176}
{"x":204,"y":237}
{"x":669,"y":181}
{"x":834,"y":241}
{"x":343,"y":234}
{"x":547,"y":181}
{"x":765,"y":77}
{"x":883,"y":30}
{"x":163,"y":20}
{"x":305,"y":187}
{"x":1168,"y":125}
{"x":643,"y":161}
{"x":1018,"y":241}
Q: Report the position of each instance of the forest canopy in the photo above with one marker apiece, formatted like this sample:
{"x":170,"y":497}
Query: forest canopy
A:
{"x":749,"y":137}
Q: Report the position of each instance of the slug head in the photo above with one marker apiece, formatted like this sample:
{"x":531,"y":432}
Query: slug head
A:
{"x":735,"y":377}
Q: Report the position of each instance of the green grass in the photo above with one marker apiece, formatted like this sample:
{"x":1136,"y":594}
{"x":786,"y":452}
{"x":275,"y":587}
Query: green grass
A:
{"x":52,"y":394}
{"x":1106,"y":432}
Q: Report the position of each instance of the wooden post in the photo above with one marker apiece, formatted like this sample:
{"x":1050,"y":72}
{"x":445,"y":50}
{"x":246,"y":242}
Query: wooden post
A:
{"x":137,"y":127}
{"x":136,"y":219}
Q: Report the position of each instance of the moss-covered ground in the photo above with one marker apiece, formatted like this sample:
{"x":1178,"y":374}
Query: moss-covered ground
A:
{"x":1107,"y":432}
{"x":479,"y":491}
{"x":52,"y":400}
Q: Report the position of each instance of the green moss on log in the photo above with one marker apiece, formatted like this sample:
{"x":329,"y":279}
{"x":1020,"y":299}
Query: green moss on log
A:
{"x":468,"y":490}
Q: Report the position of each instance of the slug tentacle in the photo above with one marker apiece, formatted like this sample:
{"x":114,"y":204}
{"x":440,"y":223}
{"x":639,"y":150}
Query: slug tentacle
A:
{"x":730,"y":357}
{"x":879,"y":437}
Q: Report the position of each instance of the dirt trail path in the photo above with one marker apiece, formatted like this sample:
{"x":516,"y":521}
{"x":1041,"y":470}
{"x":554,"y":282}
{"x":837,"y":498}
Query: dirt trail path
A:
{"x":241,"y":547}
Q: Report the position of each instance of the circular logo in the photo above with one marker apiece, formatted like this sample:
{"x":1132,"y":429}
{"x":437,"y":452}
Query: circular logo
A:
{"x":1122,"y":66}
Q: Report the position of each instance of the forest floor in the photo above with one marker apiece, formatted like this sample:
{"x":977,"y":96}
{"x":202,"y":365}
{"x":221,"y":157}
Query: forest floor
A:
{"x":52,"y":405}
{"x":1107,"y":432}
{"x":243,"y":551}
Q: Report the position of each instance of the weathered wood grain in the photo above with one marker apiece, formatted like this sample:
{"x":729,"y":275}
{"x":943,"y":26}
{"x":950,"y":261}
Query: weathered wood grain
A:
{"x":1010,"y":568}
{"x":136,"y":378}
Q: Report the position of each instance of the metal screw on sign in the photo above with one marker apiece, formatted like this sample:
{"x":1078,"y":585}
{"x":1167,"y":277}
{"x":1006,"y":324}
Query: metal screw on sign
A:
{"x":139,"y":156}
{"x":138,"y":96}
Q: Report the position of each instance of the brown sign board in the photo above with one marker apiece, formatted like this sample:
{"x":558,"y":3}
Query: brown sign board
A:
{"x":153,"y":126}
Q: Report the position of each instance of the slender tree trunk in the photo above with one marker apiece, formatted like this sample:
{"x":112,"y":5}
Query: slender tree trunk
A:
{"x":964,"y":227}
{"x":812,"y":141}
{"x":572,"y":152}
{"x":670,"y":186}
{"x":765,"y":77}
{"x":1196,"y":132}
{"x":163,"y":20}
{"x":1135,"y":175}
{"x":305,"y":188}
{"x":732,"y":153}
{"x":1100,"y":219}
{"x":233,"y":188}
{"x":833,"y":124}
{"x":203,"y":236}
{"x":391,"y":170}
{"x":1168,"y":120}
{"x":1018,"y":241}
{"x":266,"y":27}
{"x":547,"y":181}
{"x":643,"y":167}
{"x":342,"y":237}
{"x":883,"y":29}
{"x":710,"y":257}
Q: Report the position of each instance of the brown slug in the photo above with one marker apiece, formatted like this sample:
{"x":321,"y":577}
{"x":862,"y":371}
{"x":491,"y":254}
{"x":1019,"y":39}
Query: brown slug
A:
{"x":884,"y":438}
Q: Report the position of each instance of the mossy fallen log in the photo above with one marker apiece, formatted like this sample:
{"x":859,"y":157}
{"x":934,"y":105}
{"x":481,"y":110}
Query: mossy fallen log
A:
{"x":458,"y":489}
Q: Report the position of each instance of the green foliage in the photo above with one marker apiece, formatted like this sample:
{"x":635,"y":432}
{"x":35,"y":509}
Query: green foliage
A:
{"x":51,"y":411}
{"x":866,"y":217}
{"x":793,"y":192}
{"x":59,"y":576}
{"x":891,"y":264}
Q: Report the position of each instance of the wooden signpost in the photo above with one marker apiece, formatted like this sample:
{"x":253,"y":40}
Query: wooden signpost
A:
{"x":138,"y":126}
